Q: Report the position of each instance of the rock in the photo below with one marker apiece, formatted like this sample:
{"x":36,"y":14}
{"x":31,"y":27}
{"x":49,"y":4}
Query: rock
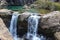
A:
{"x":51,"y":20}
{"x":3,"y":4}
{"x":4,"y":33}
{"x":26,"y":7}
{"x":5,"y":12}
{"x":50,"y":24}
{"x":20,"y":2}
{"x":24,"y":15}
{"x":57,"y":35}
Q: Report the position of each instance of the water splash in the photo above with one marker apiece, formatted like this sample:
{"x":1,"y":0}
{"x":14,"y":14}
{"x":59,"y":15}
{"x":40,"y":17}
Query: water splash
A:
{"x":13,"y":25}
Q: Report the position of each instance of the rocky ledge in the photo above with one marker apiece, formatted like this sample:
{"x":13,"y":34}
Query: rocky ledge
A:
{"x":49,"y":24}
{"x":5,"y":12}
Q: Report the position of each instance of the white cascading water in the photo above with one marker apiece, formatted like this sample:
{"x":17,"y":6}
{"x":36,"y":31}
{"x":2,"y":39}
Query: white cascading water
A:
{"x":13,"y":24}
{"x":32,"y":28}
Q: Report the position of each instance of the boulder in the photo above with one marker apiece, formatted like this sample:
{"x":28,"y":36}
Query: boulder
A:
{"x":24,"y":15}
{"x":51,"y":20}
{"x":4,"y":33}
{"x":5,"y":12}
{"x":50,"y":24}
{"x":3,"y":4}
{"x":57,"y":35}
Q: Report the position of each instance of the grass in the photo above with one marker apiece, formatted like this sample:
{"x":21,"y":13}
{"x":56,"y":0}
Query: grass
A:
{"x":57,"y":5}
{"x":43,"y":11}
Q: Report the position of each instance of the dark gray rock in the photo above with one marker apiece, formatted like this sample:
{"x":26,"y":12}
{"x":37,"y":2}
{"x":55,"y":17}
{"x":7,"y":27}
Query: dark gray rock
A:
{"x":20,"y":2}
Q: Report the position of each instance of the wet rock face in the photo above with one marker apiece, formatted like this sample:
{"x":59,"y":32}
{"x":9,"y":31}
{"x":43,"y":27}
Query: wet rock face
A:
{"x":4,"y":33}
{"x":19,"y":2}
{"x":22,"y":28}
{"x":6,"y":16}
{"x":6,"y":19}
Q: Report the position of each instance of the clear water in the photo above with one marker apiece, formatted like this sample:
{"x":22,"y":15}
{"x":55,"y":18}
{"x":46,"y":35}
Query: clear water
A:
{"x":13,"y":25}
{"x":15,"y":8}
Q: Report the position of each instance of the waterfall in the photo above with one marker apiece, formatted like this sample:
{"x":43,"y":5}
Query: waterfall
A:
{"x":13,"y":25}
{"x":33,"y":27}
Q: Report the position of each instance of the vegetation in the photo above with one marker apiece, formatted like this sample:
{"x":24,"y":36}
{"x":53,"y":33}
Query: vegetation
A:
{"x":41,"y":6}
{"x":45,"y":6}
